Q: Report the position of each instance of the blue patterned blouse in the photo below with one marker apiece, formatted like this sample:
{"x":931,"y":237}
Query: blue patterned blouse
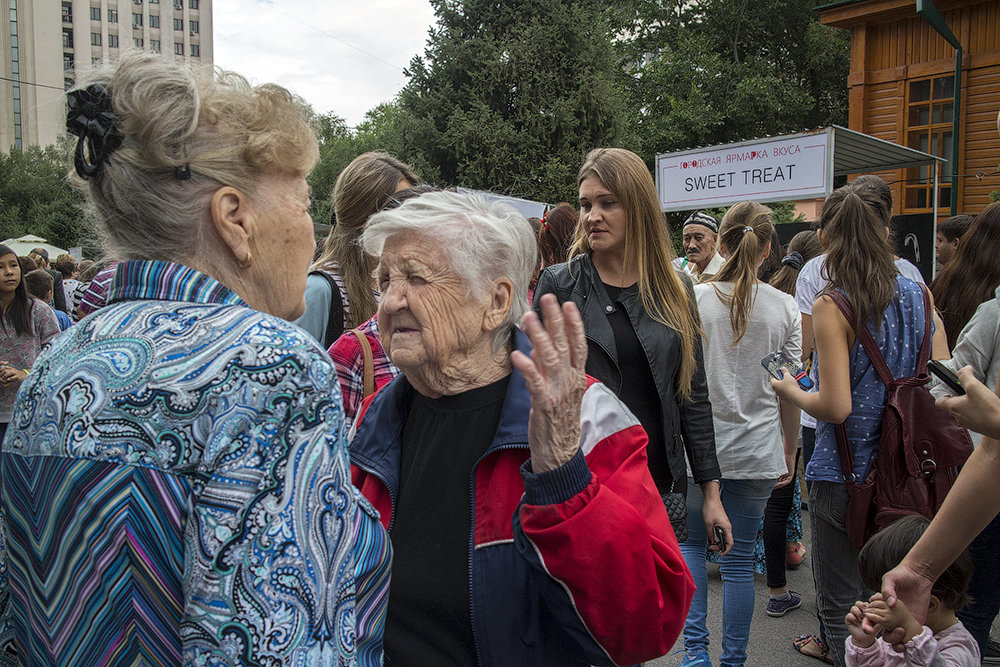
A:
{"x":176,"y":490}
{"x":899,"y":340}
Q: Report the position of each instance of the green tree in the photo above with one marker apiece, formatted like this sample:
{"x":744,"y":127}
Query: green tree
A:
{"x":510,"y":96}
{"x":36,"y":197}
{"x":718,"y":71}
{"x":336,"y":149}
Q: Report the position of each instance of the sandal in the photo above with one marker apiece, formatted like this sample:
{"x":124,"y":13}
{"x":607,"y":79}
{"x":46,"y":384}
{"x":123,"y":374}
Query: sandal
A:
{"x":812,"y":646}
{"x":794,"y":553}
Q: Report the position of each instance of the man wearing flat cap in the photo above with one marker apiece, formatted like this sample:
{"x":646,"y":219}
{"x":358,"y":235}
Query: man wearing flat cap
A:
{"x":701,"y":260}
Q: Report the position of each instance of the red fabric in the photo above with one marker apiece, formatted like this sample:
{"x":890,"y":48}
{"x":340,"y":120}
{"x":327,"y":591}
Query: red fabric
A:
{"x":577,"y":539}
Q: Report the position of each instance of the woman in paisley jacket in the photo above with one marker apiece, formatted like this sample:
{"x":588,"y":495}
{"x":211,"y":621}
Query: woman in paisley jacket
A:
{"x":175,"y":481}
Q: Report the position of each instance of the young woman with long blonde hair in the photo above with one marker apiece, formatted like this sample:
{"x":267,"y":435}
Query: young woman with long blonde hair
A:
{"x":643,"y":335}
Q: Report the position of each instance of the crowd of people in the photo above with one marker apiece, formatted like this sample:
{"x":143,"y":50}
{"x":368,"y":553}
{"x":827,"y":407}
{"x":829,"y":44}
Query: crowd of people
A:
{"x":451,"y":435}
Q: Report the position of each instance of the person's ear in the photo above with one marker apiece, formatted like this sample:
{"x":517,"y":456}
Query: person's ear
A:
{"x":934,"y":604}
{"x":501,"y":300}
{"x":954,"y":244}
{"x":823,"y":241}
{"x":721,"y":249}
{"x":233,"y":220}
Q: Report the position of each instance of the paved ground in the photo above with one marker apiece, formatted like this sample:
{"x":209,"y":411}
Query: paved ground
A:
{"x":770,"y":638}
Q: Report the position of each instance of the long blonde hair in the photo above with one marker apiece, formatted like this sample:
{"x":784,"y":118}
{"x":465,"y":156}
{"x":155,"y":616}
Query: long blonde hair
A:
{"x":360,"y":190}
{"x":647,"y":248}
{"x":745,"y":231}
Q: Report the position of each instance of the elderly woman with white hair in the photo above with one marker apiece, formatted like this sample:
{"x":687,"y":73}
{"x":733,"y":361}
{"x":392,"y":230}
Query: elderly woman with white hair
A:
{"x":526,"y":528}
{"x":175,"y":481}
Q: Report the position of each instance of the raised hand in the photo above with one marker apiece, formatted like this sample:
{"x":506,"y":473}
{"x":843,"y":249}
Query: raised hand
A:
{"x":555,"y":378}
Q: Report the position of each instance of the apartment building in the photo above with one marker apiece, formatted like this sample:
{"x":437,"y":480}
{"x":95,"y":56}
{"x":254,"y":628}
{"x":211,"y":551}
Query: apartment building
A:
{"x":47,"y":44}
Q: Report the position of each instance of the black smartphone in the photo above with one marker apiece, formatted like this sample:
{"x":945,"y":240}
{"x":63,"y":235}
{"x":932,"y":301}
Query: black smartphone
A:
{"x":720,"y":537}
{"x":775,"y":361}
{"x":946,"y":375}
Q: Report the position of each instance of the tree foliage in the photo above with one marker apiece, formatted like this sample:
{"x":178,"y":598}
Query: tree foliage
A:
{"x":510,"y":96}
{"x":36,"y":197}
{"x":718,"y":71}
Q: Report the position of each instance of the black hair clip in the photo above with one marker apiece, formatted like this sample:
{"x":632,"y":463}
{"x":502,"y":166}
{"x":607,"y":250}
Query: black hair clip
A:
{"x":183,"y":173}
{"x":90,"y":117}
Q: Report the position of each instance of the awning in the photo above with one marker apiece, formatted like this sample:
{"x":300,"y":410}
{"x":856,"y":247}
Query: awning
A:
{"x":855,"y":153}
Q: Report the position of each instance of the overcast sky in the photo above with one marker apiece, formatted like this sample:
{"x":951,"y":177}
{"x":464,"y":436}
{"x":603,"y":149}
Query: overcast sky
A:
{"x":344,"y":56}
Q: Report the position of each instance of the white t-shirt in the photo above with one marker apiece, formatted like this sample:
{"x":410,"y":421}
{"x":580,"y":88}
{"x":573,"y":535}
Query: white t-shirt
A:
{"x":744,"y":406}
{"x":807,"y":288}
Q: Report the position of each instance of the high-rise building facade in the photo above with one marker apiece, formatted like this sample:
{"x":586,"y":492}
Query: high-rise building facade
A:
{"x":47,"y":44}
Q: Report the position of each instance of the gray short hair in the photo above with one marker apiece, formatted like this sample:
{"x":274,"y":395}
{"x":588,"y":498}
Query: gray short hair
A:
{"x":483,"y":241}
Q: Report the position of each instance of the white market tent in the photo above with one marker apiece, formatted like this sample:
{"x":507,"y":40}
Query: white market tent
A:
{"x":25,"y":244}
{"x":526,"y":207}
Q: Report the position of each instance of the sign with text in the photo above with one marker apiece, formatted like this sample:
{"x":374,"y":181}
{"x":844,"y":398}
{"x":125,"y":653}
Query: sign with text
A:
{"x":789,"y":168}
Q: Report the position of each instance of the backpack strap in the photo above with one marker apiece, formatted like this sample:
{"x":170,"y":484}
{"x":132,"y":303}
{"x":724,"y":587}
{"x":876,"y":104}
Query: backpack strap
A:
{"x":368,"y":383}
{"x":925,"y":345}
{"x":335,"y":320}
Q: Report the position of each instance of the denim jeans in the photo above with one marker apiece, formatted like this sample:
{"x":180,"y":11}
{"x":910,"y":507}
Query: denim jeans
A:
{"x":984,"y":587}
{"x":834,"y":562}
{"x":744,"y":501}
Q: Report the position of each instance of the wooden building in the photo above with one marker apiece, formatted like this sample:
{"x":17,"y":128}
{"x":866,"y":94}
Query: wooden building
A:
{"x":901,"y":85}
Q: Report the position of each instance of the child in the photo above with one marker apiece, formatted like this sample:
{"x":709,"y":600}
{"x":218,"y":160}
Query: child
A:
{"x":942,"y":641}
{"x":39,"y":285}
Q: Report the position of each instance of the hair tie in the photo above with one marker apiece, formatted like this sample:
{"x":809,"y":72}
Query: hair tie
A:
{"x":793,"y":259}
{"x":90,"y":117}
{"x":748,"y":228}
{"x":544,"y":223}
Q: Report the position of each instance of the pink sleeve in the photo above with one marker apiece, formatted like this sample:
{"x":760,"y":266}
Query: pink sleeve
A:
{"x":876,"y":655}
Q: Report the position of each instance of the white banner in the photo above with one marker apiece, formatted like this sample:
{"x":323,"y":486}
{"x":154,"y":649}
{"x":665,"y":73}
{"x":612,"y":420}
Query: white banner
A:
{"x":790,"y":168}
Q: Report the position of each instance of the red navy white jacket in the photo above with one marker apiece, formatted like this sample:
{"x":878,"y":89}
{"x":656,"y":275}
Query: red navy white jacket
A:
{"x":575,"y":566}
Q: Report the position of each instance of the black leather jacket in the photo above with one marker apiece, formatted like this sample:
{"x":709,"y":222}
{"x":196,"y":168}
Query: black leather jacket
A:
{"x":687,"y":425}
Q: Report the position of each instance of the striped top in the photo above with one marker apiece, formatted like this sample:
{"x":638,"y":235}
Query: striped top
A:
{"x":175,"y":490}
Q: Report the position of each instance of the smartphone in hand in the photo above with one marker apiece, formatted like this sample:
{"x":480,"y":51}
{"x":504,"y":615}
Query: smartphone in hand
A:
{"x":719,"y":537}
{"x":946,"y":375}
{"x":775,"y":361}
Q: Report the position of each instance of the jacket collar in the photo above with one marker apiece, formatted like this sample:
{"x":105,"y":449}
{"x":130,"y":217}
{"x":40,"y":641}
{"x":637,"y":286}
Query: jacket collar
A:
{"x":376,"y":445}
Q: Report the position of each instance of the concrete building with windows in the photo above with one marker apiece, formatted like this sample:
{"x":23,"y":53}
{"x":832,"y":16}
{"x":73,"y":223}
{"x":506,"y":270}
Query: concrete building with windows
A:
{"x":46,"y":44}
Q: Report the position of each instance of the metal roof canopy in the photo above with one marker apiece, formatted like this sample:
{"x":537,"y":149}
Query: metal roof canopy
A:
{"x":855,"y":152}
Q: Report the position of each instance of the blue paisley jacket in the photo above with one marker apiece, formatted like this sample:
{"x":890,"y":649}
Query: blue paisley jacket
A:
{"x":176,"y":490}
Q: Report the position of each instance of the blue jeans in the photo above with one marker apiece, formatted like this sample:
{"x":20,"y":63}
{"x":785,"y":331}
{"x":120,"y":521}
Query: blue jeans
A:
{"x":744,"y":501}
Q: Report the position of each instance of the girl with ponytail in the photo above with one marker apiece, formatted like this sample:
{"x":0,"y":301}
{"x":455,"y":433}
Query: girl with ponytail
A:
{"x":744,"y":320}
{"x":860,"y":264}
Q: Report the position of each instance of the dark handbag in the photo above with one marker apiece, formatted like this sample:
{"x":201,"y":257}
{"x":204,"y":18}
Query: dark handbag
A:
{"x":920,"y":450}
{"x":676,"y":504}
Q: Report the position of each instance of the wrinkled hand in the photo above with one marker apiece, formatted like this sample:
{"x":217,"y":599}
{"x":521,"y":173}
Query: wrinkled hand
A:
{"x":862,"y":634}
{"x":978,"y":410}
{"x":555,"y":378}
{"x":905,"y":583}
